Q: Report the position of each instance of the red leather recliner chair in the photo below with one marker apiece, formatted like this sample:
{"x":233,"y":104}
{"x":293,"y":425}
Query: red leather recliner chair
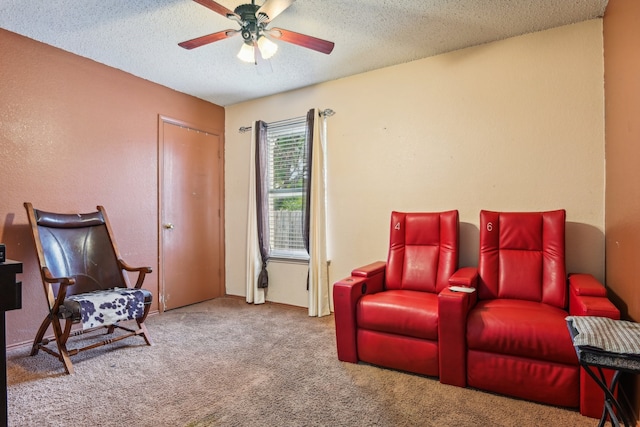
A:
{"x":386,"y":314}
{"x":514,"y":340}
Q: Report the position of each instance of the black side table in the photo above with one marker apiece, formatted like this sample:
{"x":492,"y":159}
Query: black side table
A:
{"x":594,"y":358}
{"x":10,"y":299}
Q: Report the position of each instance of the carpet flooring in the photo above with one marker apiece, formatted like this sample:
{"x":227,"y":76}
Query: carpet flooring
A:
{"x":227,"y":363}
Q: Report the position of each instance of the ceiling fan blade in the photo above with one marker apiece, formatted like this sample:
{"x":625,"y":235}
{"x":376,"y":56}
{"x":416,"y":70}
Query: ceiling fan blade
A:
{"x":303,"y":40}
{"x":210,"y":38}
{"x":273,"y":8}
{"x":218,"y":8}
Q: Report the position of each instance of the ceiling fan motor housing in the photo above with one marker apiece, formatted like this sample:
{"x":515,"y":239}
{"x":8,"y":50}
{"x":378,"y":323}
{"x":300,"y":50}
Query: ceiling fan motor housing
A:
{"x":250,"y":28}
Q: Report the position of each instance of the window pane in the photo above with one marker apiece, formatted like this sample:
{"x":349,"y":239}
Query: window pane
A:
{"x":287,"y":176}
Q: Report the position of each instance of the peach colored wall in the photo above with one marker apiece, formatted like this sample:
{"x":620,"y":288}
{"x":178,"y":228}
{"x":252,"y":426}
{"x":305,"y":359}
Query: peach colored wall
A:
{"x":512,"y":125}
{"x":622,"y":94}
{"x":622,"y":203}
{"x":74,"y":134}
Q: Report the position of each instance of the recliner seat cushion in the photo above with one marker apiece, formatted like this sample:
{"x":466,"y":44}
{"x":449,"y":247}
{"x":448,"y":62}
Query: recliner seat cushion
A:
{"x":520,"y":328}
{"x":408,"y":313}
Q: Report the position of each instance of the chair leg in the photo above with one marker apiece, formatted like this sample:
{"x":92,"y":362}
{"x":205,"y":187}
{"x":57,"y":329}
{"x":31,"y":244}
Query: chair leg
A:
{"x":142,"y":326}
{"x":40,"y":335}
{"x":61,"y":341}
{"x":145,"y":333}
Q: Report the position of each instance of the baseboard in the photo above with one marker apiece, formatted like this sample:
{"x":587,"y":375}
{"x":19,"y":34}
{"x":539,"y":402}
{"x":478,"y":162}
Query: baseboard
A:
{"x":279,"y":304}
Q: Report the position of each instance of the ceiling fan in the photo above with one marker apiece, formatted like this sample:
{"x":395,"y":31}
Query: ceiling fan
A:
{"x":253,"y":20}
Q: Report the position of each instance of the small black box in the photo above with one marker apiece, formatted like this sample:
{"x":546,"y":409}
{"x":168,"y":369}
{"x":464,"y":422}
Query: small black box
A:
{"x":11,"y":296}
{"x":2,"y":253}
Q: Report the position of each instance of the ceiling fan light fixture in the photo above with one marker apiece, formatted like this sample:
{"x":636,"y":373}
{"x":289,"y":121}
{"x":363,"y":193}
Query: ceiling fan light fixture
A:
{"x":246,"y":53}
{"x":254,"y":20}
{"x":267,"y":47}
{"x":267,"y":50}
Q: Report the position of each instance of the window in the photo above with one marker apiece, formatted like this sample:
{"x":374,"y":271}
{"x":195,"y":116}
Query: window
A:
{"x":288,"y":172}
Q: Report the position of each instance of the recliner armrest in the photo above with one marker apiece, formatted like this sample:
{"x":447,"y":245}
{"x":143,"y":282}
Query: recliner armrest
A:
{"x":346,"y":293}
{"x":374,"y":274}
{"x":588,"y":297}
{"x":453,"y":308}
{"x":465,"y":276}
{"x":370,"y":270}
{"x":586,"y":284}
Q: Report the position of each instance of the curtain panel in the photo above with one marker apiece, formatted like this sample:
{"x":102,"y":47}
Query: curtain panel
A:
{"x":262,"y":200}
{"x":254,"y":293}
{"x":319,"y":289}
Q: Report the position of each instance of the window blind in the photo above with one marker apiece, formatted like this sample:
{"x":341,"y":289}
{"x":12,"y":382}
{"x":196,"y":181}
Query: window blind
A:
{"x":287,"y":174}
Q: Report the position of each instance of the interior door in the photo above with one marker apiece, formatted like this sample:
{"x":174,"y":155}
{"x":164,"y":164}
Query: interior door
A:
{"x":190,"y":215}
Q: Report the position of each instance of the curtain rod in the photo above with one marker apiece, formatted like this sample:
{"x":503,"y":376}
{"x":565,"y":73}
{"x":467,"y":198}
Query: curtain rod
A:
{"x":327,"y":112}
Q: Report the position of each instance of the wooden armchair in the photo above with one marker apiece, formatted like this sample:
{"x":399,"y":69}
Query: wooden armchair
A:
{"x":84,"y":282}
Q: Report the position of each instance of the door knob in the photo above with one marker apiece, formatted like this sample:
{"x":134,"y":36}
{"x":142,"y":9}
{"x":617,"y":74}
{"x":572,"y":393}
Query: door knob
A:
{"x":168,"y":226}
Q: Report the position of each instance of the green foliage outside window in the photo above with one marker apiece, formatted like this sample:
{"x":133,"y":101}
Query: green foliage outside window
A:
{"x":289,"y":170}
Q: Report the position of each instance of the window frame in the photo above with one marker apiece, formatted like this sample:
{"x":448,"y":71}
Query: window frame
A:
{"x":287,"y":129}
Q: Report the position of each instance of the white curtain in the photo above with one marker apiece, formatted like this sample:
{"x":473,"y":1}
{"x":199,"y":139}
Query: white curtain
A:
{"x":319,"y":289}
{"x":254,"y":260}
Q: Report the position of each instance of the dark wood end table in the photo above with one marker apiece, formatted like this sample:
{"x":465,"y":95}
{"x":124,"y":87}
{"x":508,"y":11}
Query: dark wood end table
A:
{"x":10,"y":299}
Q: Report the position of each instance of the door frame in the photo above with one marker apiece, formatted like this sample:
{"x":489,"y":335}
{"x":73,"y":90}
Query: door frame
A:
{"x":221,"y":223}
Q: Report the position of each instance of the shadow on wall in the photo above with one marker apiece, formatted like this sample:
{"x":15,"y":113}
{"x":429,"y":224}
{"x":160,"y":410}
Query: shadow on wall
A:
{"x":19,"y":247}
{"x":469,"y":244}
{"x":584,"y":248}
{"x":17,"y":239}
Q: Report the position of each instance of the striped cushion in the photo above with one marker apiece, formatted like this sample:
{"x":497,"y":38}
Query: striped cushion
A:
{"x":614,"y":336}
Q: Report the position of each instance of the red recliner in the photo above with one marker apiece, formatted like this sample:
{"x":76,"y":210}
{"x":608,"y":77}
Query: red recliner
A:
{"x":386,"y":314}
{"x":514,"y":340}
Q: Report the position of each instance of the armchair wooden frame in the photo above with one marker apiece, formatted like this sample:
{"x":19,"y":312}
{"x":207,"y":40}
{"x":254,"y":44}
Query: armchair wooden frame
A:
{"x":58,"y":289}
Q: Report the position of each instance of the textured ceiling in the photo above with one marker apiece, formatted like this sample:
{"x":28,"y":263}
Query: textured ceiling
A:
{"x":141,"y":36}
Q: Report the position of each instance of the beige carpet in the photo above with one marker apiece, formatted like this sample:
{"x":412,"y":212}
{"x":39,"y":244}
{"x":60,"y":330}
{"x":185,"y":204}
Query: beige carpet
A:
{"x":227,"y":363}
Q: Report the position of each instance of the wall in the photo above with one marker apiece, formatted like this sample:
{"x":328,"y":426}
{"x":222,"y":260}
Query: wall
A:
{"x":622,"y":203}
{"x":512,"y":125}
{"x":74,"y":134}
